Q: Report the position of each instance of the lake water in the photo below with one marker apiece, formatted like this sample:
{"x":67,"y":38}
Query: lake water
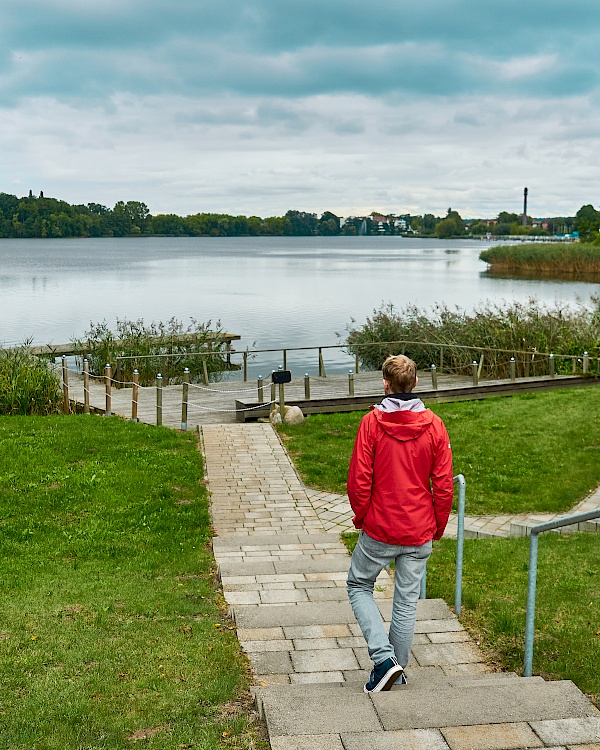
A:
{"x":275,"y":292}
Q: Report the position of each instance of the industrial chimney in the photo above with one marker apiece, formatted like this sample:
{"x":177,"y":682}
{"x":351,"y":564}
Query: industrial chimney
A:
{"x":524,"y":220}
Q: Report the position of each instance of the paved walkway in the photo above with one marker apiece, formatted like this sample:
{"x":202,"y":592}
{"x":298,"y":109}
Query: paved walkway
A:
{"x":283,"y":573}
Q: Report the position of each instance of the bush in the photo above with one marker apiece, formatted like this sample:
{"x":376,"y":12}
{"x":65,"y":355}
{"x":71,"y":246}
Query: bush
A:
{"x":27,"y":385}
{"x":148,"y":345}
{"x":533,"y":328}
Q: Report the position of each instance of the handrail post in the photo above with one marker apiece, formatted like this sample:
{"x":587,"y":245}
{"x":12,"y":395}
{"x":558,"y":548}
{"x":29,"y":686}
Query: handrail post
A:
{"x":586,"y":363}
{"x":532,"y":575}
{"x":356,"y":362}
{"x":530,"y":611}
{"x":285,"y":359}
{"x":460,"y":542}
{"x":65,"y":385}
{"x":351,"y":384}
{"x":513,"y":369}
{"x":86,"y":386}
{"x":551,"y":365}
{"x":246,"y":366}
{"x":434,"y":380}
{"x":306,"y":386}
{"x":184,"y":399}
{"x":259,"y":387}
{"x":321,"y":364}
{"x":107,"y":387}
{"x":134,"y":395}
{"x":474,"y":369}
{"x":159,"y":399}
{"x":281,"y":401}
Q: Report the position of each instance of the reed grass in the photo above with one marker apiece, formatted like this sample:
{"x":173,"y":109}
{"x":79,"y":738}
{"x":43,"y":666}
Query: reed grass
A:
{"x":27,"y":385}
{"x":556,"y":258}
{"x":149,"y":344}
{"x":528,"y":331}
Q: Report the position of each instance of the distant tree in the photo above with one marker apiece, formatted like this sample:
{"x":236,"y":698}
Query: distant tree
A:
{"x":506,"y":218}
{"x":328,"y":225}
{"x":451,"y":226}
{"x":300,"y":224}
{"x":587,"y":222}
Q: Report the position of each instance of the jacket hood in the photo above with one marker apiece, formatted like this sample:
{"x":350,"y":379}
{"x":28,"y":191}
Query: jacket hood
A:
{"x":405,"y":423}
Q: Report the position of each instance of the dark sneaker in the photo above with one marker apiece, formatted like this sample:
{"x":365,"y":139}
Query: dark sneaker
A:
{"x":383,"y":676}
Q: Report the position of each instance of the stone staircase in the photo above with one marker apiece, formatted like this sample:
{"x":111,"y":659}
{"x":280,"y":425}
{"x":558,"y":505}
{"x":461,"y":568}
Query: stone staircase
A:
{"x":286,"y":591}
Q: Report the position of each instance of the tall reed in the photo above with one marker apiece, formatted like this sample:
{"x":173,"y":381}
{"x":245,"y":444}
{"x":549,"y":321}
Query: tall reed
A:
{"x":27,"y":384}
{"x":533,"y":328}
{"x":165,"y":348}
{"x":556,"y":258}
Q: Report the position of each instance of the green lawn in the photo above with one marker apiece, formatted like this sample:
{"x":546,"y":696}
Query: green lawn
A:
{"x":567,"y":624}
{"x":528,"y":453}
{"x":112,"y":627}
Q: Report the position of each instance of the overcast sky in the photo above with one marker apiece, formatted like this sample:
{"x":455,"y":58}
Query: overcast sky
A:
{"x":258,"y":106}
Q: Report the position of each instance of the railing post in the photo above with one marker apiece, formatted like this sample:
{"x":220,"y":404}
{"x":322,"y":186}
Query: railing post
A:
{"x":108,"y":391}
{"x":321,"y":364}
{"x":351,"y":384}
{"x":259,"y":386}
{"x":474,"y":368}
{"x":281,"y":401}
{"x":184,"y":399}
{"x":551,"y":365}
{"x":285,"y":359}
{"x":356,"y":362}
{"x":86,"y":386}
{"x":245,"y":367}
{"x":306,"y":386}
{"x":460,"y":542}
{"x":134,"y":395}
{"x":512,"y":368}
{"x":273,"y":393}
{"x":159,"y":398}
{"x":65,"y":385}
{"x":434,"y":380}
{"x":574,"y":365}
{"x":586,"y":363}
{"x":205,"y":369}
{"x":441,"y":358}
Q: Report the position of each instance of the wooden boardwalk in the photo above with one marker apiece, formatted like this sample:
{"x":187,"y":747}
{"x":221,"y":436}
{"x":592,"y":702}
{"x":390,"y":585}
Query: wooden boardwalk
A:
{"x":216,"y":403}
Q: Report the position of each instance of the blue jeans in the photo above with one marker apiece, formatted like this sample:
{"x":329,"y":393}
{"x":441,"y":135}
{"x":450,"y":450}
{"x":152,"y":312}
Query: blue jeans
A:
{"x":368,"y":559}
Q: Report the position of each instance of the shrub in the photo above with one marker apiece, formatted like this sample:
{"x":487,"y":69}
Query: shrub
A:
{"x":532,"y":327}
{"x":148,"y":345}
{"x":27,"y":385}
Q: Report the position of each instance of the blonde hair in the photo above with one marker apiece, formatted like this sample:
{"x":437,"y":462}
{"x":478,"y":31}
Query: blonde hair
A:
{"x":400,"y":372}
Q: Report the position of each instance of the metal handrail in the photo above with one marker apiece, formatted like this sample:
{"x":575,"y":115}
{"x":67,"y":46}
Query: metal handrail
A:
{"x":533,"y":556}
{"x":460,"y":544}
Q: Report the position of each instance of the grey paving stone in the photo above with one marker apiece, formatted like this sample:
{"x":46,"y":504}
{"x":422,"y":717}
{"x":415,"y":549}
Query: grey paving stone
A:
{"x":308,"y":644}
{"x":324,"y":660}
{"x":446,"y":653}
{"x":307,"y":678}
{"x":305,"y":564}
{"x":260,"y":634}
{"x":491,"y":737}
{"x":317,"y":631}
{"x":507,"y":701}
{"x":327,"y":595}
{"x":568,"y":731}
{"x":227,"y":568}
{"x":316,"y":709}
{"x":256,"y":647}
{"x":308,"y":742}
{"x":459,"y":636}
{"x":285,"y":596}
{"x":407,"y":739}
{"x":274,"y":662}
{"x":438,"y":626}
{"x":310,"y":613}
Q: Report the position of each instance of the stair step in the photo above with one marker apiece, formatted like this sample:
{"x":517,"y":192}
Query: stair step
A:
{"x":328,"y":709}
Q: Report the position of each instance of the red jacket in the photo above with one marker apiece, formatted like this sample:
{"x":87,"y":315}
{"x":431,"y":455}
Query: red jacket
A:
{"x":400,"y":480}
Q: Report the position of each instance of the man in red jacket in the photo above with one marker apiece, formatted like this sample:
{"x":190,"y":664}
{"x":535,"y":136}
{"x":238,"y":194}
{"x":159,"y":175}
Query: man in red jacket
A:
{"x":400,"y":487}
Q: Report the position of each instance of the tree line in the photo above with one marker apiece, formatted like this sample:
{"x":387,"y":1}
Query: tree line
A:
{"x":38,"y":216}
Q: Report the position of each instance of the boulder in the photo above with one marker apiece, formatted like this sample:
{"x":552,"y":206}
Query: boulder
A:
{"x":293,"y":415}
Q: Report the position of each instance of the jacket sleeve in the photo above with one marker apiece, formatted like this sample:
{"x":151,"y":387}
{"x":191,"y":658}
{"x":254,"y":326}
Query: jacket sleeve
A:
{"x":360,"y":473}
{"x":442,"y":481}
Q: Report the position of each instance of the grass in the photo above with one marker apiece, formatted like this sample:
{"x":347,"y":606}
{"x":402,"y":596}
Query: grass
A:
{"x":567,"y":624}
{"x":112,"y":625}
{"x":531,"y":453}
{"x":557,"y":258}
